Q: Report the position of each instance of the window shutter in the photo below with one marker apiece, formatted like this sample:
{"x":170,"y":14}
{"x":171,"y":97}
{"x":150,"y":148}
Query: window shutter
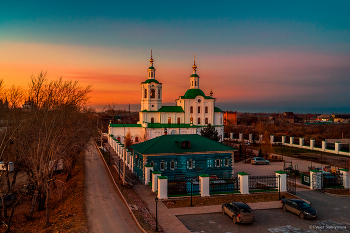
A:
{"x":166,"y":165}
{"x":194,"y":163}
{"x":187,"y":164}
{"x":175,"y":165}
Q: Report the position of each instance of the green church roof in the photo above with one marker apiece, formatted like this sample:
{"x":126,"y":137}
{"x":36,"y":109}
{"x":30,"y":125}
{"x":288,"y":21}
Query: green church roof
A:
{"x":151,"y":81}
{"x":171,"y":109}
{"x":216,"y":109}
{"x":193,"y":93}
{"x":168,"y":144}
{"x":194,"y":75}
{"x":151,"y":68}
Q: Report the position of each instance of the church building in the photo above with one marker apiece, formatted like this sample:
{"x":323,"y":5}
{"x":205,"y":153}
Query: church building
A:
{"x":193,"y":111}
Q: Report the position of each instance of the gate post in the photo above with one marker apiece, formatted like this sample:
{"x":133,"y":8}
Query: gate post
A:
{"x":162,"y":187}
{"x":315,"y":179}
{"x":148,"y":170}
{"x":282,"y":184}
{"x":312,"y":144}
{"x":272,"y":139}
{"x":324,"y":145}
{"x":240,"y":137}
{"x":250,"y":138}
{"x":291,"y":141}
{"x":204,"y":184}
{"x":155,"y":175}
{"x":243,"y":182}
{"x":283,"y":139}
{"x":337,"y":147}
{"x":345,"y":174}
{"x":301,"y":142}
{"x":261,"y":138}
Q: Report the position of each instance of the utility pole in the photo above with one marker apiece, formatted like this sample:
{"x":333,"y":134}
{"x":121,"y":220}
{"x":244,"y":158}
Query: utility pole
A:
{"x":124,"y":160}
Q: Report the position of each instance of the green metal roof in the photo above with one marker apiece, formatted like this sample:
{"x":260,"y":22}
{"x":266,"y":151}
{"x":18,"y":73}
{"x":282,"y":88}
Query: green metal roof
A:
{"x":159,"y":125}
{"x":194,"y":75}
{"x":171,"y":109}
{"x":151,"y":68}
{"x":150,"y":80}
{"x":166,"y":144}
{"x":216,"y":109}
{"x":193,"y":93}
{"x":125,"y":125}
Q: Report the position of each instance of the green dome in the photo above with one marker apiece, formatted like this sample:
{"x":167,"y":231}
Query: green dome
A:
{"x":194,"y":75}
{"x":151,"y":68}
{"x":193,"y":93}
{"x":151,"y":80}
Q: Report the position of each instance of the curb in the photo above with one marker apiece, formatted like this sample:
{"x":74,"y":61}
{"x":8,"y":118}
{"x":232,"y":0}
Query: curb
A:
{"x":111,"y":176}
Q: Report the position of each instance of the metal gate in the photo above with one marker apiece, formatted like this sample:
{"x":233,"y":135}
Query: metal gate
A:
{"x":291,"y":184}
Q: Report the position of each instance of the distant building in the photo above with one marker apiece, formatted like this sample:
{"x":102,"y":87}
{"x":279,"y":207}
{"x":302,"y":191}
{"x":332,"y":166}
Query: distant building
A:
{"x":341,"y":118}
{"x":230,"y":118}
{"x":28,"y":105}
{"x":183,"y":156}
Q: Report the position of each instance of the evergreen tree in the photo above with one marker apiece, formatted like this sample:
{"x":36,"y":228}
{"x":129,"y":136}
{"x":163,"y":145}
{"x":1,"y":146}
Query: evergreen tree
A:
{"x":211,"y":133}
{"x":240,"y":150}
{"x":260,"y":153}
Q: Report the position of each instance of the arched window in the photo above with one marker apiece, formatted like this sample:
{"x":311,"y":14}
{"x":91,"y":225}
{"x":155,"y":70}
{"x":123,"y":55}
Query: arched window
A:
{"x":153,"y":93}
{"x":145,"y":93}
{"x":136,"y":139}
{"x":221,"y":121}
{"x":169,"y":120}
{"x":192,"y":83}
{"x":199,"y":121}
{"x":152,"y":74}
{"x":178,"y":120}
{"x":195,"y":83}
{"x":191,"y":120}
{"x":118,"y":138}
{"x":191,"y":109}
{"x":206,"y":109}
{"x":152,"y":120}
{"x":199,"y":109}
{"x":206,"y":120}
{"x":158,"y":93}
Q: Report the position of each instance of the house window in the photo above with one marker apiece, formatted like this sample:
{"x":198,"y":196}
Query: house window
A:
{"x":152,"y":164}
{"x":217,"y":163}
{"x":199,"y":109}
{"x":118,"y":138}
{"x":227,"y":162}
{"x":145,"y":93}
{"x":190,"y":164}
{"x":152,"y":120}
{"x":172,"y":165}
{"x":206,"y":109}
{"x":209,"y":163}
{"x":153,"y":93}
{"x":162,"y":166}
{"x":178,"y":120}
{"x":136,"y":139}
{"x":191,"y":109}
{"x":158,"y":93}
{"x":199,"y":121}
{"x":206,"y":120}
{"x":169,"y":120}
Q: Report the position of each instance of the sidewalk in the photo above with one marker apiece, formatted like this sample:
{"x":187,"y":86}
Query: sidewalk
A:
{"x":218,"y":208}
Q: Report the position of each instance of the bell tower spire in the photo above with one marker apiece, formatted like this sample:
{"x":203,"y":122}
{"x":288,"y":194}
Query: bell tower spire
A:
{"x":194,"y":78}
{"x":151,"y":69}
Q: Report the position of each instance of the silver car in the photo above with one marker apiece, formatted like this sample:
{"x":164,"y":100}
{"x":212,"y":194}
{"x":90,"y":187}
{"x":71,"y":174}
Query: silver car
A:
{"x":259,"y":160}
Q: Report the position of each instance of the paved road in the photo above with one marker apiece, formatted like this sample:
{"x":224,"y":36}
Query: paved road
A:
{"x":333,"y":216}
{"x":106,"y":211}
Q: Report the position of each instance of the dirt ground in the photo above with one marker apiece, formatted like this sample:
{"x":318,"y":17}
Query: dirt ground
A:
{"x":67,"y":212}
{"x":221,"y":199}
{"x":332,"y":160}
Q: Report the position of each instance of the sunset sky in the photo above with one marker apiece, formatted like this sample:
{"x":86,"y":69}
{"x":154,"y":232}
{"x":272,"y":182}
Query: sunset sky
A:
{"x":258,"y":56}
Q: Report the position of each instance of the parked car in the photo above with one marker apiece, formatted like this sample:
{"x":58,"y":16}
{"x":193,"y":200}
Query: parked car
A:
{"x":239,"y":212}
{"x":259,"y":160}
{"x":299,"y":207}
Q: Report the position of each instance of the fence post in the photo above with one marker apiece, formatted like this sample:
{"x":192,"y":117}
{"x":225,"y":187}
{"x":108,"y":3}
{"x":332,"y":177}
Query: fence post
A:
{"x":315,"y":179}
{"x":261,"y":138}
{"x":301,"y":142}
{"x":231,"y":136}
{"x":240,"y":137}
{"x":291,"y":141}
{"x":132,"y":163}
{"x":250,"y":138}
{"x":337,"y":147}
{"x":272,"y":139}
{"x":204,"y":184}
{"x":162,"y":187}
{"x":148,"y":170}
{"x":282,"y":185}
{"x":244,"y":182}
{"x":345,"y":173}
{"x":324,"y":145}
{"x":283,"y":139}
{"x":312,"y":144}
{"x":155,"y":175}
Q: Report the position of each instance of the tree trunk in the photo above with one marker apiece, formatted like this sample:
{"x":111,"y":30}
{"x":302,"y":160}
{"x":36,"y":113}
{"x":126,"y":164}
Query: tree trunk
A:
{"x":14,"y":179}
{"x":47,"y":206}
{"x":41,"y":201}
{"x":32,"y":207}
{"x":12,"y":211}
{"x":4,"y":208}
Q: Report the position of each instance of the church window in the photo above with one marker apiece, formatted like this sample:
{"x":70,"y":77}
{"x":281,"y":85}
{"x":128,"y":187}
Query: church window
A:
{"x":169,"y":120}
{"x":152,"y":120}
{"x":206,"y":120}
{"x":199,"y":109}
{"x":199,"y":121}
{"x":192,"y":83}
{"x":172,"y":165}
{"x":195,"y":83}
{"x":178,"y":120}
{"x":153,"y":93}
{"x":191,"y":109}
{"x":145,"y":93}
{"x":118,"y":138}
{"x":158,"y":93}
{"x":136,"y":139}
{"x":206,"y":109}
{"x":151,"y":74}
{"x":199,"y":100}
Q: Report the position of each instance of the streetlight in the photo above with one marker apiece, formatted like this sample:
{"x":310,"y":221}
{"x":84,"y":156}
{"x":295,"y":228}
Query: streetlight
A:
{"x":156,"y":200}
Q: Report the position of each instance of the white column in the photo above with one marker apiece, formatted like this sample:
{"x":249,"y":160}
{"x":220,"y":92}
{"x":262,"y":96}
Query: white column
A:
{"x":272,"y":139}
{"x":324,"y":145}
{"x":315,"y":179}
{"x":301,"y":142}
{"x":162,"y":187}
{"x":291,"y":141}
{"x":132,"y":163}
{"x":346,"y":182}
{"x":155,"y":175}
{"x":312,"y":144}
{"x":204,"y":185}
{"x":243,"y":182}
{"x":250,"y":138}
{"x":337,"y":147}
{"x":231,"y":135}
{"x":283,"y":139}
{"x":240,"y":137}
{"x":282,"y":183}
{"x":148,"y":170}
